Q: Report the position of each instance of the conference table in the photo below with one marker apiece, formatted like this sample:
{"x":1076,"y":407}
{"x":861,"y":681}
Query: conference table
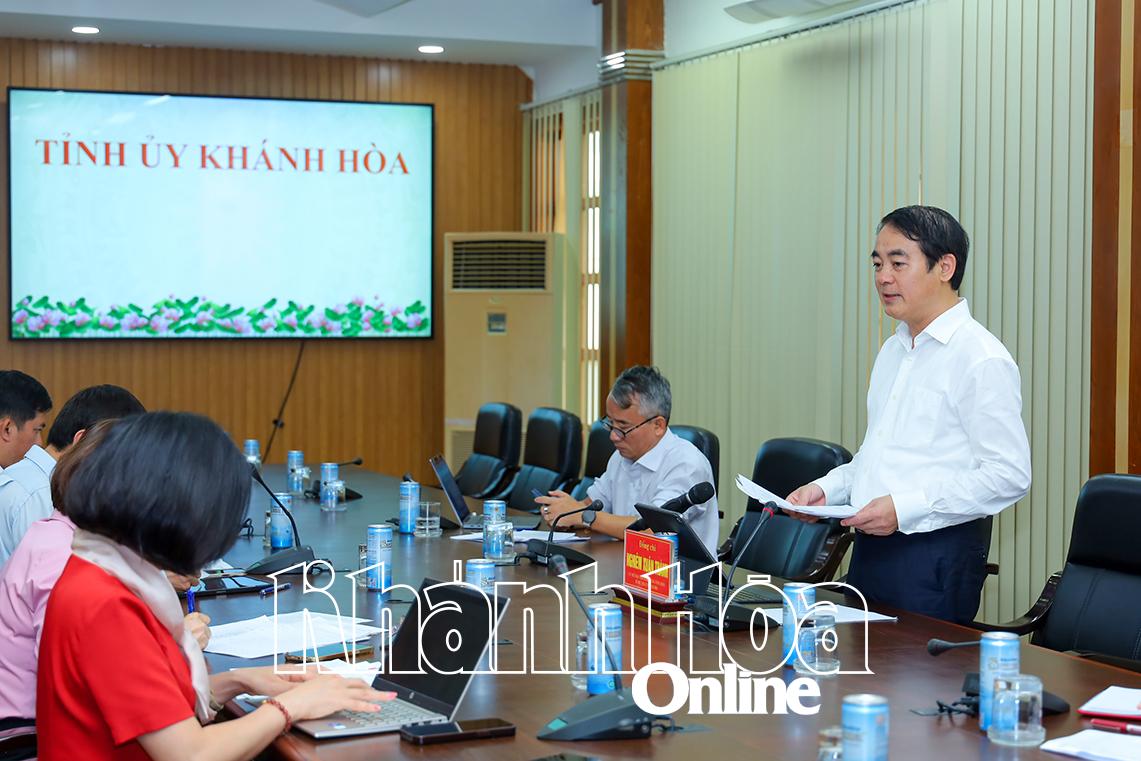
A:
{"x":903,"y":671}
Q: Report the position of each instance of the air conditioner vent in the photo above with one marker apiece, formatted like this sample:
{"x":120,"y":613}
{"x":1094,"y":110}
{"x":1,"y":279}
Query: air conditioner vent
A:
{"x":500,"y":264}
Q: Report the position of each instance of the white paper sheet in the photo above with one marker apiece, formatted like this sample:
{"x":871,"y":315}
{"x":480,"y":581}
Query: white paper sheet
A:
{"x":1097,"y":745}
{"x":763,"y":495}
{"x":524,"y":535}
{"x":254,"y":638}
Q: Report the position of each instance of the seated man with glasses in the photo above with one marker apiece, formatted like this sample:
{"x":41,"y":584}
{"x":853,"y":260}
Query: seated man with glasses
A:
{"x":651,"y":464}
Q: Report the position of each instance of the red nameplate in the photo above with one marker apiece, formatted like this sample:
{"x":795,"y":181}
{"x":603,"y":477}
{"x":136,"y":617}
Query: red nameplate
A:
{"x":646,"y":553}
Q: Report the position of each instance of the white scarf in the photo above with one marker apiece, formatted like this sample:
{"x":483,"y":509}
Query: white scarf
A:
{"x":150,"y":585}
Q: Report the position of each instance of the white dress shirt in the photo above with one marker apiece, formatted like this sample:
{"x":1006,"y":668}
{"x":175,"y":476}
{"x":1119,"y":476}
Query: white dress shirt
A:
{"x":945,"y":435}
{"x":25,"y":497}
{"x":670,"y":469}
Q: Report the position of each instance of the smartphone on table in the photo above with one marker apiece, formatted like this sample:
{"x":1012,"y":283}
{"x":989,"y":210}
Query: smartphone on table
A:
{"x":451,"y":731}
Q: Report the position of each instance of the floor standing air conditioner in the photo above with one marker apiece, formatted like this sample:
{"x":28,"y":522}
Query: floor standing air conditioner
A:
{"x":510,"y":329}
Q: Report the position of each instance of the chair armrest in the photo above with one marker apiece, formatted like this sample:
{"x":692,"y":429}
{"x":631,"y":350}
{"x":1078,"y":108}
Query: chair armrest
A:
{"x":18,"y":738}
{"x":1033,"y":618}
{"x":506,"y":490}
{"x":828,"y":559}
{"x":1110,"y":660}
{"x":493,"y":487}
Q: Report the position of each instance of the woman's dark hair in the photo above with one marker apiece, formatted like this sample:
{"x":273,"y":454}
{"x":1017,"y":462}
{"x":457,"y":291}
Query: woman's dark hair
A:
{"x":88,"y":407}
{"x":936,"y":232}
{"x":169,"y":485}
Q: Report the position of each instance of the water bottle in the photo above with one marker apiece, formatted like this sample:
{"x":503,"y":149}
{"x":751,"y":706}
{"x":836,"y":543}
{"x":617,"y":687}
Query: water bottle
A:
{"x":296,"y":470}
{"x":252,"y":451}
{"x":581,"y":662}
{"x":268,"y":522}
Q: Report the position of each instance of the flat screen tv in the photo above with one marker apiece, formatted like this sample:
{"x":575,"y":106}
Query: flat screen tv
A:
{"x":174,"y":216}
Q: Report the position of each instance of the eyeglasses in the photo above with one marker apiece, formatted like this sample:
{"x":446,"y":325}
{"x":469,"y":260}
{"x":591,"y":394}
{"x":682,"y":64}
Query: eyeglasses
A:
{"x":623,"y":433}
{"x":967,"y":706}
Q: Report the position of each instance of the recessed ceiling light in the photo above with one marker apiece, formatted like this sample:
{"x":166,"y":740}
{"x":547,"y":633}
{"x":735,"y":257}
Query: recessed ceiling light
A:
{"x":85,"y":29}
{"x":431,"y":49}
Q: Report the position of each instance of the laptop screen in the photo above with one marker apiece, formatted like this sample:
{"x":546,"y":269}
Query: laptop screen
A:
{"x":450,"y":487}
{"x":454,"y":633}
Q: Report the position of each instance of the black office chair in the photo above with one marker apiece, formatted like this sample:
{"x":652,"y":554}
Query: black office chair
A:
{"x":785,"y":546}
{"x":18,"y":743}
{"x":707,"y":442}
{"x":551,"y":458}
{"x":495,"y":451}
{"x":599,"y":448}
{"x":1090,"y":607}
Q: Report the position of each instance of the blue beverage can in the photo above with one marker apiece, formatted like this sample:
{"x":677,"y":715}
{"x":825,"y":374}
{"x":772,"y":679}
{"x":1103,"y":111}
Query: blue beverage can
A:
{"x":606,"y":618}
{"x":864,"y":719}
{"x":999,"y":655}
{"x":294,"y":459}
{"x":480,"y":572}
{"x":251,"y":448}
{"x":330,"y":471}
{"x":280,"y":529}
{"x":409,"y":506}
{"x":800,"y":598}
{"x":494,"y":510}
{"x":380,"y":537}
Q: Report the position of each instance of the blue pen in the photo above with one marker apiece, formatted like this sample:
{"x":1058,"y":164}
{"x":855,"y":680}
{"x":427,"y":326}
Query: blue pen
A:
{"x":190,"y":601}
{"x":268,"y":590}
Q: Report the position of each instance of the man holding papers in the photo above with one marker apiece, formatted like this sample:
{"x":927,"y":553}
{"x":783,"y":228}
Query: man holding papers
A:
{"x":945,"y":444}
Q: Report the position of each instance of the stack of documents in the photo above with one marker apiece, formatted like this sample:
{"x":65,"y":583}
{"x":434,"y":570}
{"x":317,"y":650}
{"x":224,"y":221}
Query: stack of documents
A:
{"x":1114,"y":702}
{"x":302,"y":630}
{"x":525,"y":535}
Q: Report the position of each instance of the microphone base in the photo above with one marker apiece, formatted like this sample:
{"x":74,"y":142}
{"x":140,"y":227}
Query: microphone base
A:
{"x":609,"y":716}
{"x":540,"y":553}
{"x":281,"y":560}
{"x":733,"y":618}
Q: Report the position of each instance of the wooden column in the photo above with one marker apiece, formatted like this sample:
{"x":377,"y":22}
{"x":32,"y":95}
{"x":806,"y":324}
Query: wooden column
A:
{"x":632,"y":37}
{"x":1106,"y":200}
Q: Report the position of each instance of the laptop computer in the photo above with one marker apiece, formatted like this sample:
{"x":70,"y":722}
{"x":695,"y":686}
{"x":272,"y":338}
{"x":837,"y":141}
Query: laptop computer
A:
{"x":217,"y":585}
{"x":435,"y":695}
{"x":461,"y":516}
{"x":693,"y":554}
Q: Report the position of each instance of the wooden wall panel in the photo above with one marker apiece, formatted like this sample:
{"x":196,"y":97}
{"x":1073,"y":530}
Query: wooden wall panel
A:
{"x":382,"y":400}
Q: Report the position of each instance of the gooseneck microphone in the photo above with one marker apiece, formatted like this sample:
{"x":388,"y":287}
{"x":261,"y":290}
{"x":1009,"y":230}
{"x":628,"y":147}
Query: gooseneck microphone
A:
{"x":766,"y":513}
{"x":610,"y":716}
{"x":940,"y":646}
{"x":357,"y":461}
{"x":540,"y":552}
{"x":698,"y":495}
{"x":281,"y":559}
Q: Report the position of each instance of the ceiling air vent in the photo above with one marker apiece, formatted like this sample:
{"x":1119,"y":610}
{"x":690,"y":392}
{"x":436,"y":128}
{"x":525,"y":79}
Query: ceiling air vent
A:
{"x":499,"y":264}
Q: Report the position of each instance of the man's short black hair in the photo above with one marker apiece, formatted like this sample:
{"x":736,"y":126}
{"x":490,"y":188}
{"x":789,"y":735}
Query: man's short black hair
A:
{"x":22,"y":397}
{"x":936,"y":232}
{"x":169,"y":485}
{"x":88,"y":407}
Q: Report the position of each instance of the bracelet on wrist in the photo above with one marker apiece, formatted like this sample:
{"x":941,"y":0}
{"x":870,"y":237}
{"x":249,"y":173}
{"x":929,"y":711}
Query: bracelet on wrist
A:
{"x":285,"y":713}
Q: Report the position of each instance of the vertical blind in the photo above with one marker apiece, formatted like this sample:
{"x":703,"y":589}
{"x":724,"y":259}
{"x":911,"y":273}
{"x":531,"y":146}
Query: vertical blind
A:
{"x":562,"y":186}
{"x":774,"y":163}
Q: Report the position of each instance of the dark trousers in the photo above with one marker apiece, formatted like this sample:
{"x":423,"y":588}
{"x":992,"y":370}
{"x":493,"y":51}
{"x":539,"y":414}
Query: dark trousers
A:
{"x":937,"y":573}
{"x":17,"y":754}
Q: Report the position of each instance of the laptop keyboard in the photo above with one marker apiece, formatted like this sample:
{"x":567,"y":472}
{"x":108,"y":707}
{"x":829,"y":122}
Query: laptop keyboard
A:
{"x":396,"y":712}
{"x":748,"y":595}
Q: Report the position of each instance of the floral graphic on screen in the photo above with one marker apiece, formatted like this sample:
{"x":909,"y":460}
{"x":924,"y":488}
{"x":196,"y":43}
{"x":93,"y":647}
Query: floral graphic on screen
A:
{"x":200,"y":317}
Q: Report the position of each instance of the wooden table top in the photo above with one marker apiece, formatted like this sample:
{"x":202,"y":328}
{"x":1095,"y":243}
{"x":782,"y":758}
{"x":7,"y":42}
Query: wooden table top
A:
{"x":903,"y":671}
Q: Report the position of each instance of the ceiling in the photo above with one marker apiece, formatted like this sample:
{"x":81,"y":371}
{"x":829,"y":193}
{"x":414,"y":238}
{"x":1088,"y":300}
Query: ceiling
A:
{"x":532,"y":34}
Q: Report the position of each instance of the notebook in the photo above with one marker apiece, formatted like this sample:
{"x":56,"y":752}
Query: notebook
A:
{"x":1114,"y":702}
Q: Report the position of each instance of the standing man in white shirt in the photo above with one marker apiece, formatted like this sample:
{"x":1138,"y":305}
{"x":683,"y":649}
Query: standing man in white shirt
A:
{"x":945,"y":444}
{"x":25,"y":488}
{"x":24,"y":405}
{"x":651,"y":464}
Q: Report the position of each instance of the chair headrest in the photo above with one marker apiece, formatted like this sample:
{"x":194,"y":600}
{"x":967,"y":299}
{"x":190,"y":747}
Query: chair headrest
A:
{"x":599,"y":448}
{"x":498,"y":430}
{"x":706,"y":441}
{"x":783,"y":465}
{"x":554,"y":441}
{"x":1107,"y":524}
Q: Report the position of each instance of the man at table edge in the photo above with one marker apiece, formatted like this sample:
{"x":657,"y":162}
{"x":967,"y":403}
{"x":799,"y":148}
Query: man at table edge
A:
{"x":945,"y":444}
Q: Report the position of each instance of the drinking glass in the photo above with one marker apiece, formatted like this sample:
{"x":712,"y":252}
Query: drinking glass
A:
{"x":1016,"y":713}
{"x":428,"y":520}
